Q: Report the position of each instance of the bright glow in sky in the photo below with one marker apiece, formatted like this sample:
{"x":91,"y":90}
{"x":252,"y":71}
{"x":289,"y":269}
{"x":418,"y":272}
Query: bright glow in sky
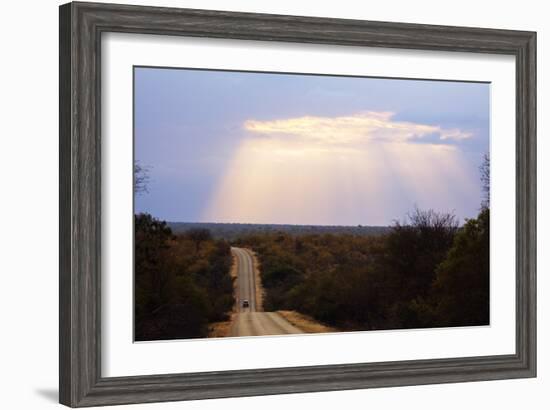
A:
{"x":302,"y":149}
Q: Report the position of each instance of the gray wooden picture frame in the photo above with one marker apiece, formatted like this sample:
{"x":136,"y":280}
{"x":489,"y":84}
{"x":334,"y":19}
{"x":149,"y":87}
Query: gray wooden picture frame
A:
{"x":81,"y":27}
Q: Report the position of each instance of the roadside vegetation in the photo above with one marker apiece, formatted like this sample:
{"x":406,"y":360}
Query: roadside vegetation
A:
{"x":426,"y":272}
{"x":182,"y":282}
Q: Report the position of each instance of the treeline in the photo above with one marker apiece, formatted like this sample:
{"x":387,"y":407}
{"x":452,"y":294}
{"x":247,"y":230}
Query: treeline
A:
{"x":426,"y":272}
{"x":234,"y":231}
{"x":182,"y":282}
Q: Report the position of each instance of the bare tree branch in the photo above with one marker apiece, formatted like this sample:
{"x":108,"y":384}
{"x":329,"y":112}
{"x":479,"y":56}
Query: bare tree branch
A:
{"x":141,"y":178}
{"x":485,"y":171}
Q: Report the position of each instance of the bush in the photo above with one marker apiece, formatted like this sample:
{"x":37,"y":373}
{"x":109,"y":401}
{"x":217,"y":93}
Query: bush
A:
{"x":182,"y":283}
{"x":461,"y":290}
{"x":427,"y":272}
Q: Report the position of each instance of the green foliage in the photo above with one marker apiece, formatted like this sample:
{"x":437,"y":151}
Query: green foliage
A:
{"x":413,"y":252}
{"x":462,"y":286}
{"x":182,"y":283}
{"x":420,"y":274}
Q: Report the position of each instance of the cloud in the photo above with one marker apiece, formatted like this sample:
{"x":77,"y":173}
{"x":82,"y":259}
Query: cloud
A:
{"x":354,"y":129}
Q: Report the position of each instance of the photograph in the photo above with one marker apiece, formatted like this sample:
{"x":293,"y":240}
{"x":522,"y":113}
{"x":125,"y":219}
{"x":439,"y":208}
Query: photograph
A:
{"x":271,"y":203}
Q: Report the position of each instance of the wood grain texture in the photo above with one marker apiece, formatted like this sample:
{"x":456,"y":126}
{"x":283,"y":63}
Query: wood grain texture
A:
{"x":81,"y":25}
{"x":65,"y":272}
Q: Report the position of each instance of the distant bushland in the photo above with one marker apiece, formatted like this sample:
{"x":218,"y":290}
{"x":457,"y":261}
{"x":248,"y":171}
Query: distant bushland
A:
{"x":234,"y":231}
{"x":424,"y":272}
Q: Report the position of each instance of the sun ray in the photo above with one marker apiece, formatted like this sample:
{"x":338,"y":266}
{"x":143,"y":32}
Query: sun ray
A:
{"x":297,"y":171}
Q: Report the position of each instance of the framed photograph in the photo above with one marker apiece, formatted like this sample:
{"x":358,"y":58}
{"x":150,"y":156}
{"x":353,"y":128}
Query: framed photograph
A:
{"x":259,"y":204}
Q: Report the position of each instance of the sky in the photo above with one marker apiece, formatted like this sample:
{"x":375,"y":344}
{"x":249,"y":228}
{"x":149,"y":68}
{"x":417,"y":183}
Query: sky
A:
{"x":247,"y":147}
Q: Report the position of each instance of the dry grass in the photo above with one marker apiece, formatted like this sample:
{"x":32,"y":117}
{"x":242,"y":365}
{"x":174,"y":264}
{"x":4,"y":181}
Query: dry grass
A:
{"x":233,"y":271}
{"x":221,"y":329}
{"x":258,"y":279}
{"x":306,"y":323}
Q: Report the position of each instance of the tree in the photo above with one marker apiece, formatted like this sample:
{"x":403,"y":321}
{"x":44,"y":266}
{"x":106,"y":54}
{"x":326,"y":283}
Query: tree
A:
{"x":485,"y":171}
{"x":461,"y":289}
{"x":178,"y":291}
{"x":153,"y":278}
{"x":141,"y":178}
{"x":417,"y":246}
{"x":414,"y":249}
{"x":198,"y":236}
{"x":151,"y":243}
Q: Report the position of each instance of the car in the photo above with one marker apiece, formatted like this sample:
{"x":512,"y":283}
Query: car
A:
{"x":246,"y":303}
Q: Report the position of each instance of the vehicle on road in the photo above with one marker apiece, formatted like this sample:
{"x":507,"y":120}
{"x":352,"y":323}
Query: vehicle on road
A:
{"x":246,"y":303}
